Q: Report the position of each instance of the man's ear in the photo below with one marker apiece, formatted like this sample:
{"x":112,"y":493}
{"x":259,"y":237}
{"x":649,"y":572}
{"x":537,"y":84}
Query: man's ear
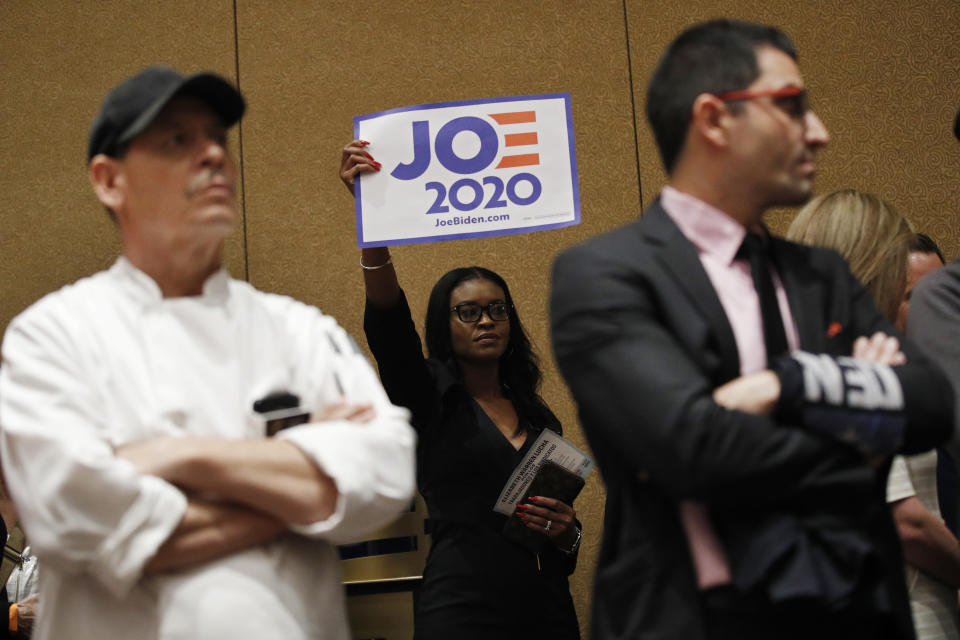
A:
{"x":106,"y":177}
{"x":710,"y":119}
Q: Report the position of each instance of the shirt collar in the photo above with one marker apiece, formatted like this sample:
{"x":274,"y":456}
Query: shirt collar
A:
{"x":711,"y":230}
{"x":144,"y":289}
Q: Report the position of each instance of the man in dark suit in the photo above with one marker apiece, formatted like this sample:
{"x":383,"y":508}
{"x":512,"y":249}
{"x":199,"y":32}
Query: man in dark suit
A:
{"x":744,"y":451}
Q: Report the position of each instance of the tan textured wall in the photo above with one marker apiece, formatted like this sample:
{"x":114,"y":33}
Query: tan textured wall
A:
{"x":883,"y":76}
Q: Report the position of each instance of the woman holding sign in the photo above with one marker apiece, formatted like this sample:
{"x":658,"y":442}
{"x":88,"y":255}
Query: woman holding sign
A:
{"x":477,"y":410}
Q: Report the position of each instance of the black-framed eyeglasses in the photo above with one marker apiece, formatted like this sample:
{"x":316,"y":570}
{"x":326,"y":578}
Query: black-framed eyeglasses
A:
{"x":794,"y":100}
{"x":471,"y":311}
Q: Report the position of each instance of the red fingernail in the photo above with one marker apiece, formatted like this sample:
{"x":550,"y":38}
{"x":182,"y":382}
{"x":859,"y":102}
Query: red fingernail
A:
{"x":523,"y":506}
{"x":368,"y":155}
{"x":364,"y":142}
{"x":532,"y":498}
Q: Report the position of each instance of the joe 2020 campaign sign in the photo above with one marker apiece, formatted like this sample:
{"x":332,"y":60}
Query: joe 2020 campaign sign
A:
{"x":468,"y":169}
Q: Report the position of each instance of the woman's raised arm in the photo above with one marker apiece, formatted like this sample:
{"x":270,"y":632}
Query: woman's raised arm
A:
{"x":379,"y":275}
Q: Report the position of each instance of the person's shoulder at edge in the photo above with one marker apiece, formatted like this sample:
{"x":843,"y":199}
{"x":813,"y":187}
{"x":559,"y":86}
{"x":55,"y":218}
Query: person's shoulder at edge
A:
{"x":940,"y":281}
{"x":64,"y":303}
{"x":295,"y":313}
{"x":603,"y":245}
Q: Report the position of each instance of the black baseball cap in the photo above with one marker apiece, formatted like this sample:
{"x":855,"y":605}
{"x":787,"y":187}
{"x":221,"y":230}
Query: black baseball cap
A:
{"x":132,"y":105}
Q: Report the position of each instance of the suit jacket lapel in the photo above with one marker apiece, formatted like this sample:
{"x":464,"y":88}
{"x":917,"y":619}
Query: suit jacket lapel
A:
{"x":679,"y":258}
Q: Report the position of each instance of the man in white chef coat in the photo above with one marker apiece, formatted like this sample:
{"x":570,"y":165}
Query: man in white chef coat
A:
{"x":159,"y":499}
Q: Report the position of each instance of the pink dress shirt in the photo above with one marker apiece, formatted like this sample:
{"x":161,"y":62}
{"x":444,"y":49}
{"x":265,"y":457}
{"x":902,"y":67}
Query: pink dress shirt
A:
{"x":717,"y":238}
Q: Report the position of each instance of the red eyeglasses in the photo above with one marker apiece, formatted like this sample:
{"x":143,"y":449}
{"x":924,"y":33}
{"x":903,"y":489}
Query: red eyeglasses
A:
{"x":794,"y":100}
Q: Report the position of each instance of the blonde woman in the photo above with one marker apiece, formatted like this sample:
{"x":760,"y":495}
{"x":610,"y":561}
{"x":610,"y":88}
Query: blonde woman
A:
{"x":866,"y":230}
{"x":875,"y":239}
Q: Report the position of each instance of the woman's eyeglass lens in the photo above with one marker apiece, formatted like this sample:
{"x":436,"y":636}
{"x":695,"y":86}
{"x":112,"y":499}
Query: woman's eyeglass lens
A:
{"x":471,"y":311}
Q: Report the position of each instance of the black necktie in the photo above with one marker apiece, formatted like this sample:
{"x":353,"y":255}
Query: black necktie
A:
{"x":754,"y":251}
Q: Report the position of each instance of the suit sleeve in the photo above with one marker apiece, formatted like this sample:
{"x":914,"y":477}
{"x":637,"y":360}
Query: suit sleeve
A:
{"x":642,"y":397}
{"x":934,"y":325}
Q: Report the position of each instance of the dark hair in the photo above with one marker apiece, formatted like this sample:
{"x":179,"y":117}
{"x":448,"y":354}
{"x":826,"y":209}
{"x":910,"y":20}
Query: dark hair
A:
{"x":519,"y":365}
{"x":922,"y":243}
{"x":713,"y":57}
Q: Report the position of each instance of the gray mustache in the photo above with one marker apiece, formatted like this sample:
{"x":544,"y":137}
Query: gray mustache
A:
{"x":204,"y":180}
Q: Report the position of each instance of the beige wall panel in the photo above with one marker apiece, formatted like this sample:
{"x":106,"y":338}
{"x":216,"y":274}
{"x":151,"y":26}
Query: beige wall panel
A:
{"x":309,"y":69}
{"x":883,"y":77}
{"x":58,"y":60}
